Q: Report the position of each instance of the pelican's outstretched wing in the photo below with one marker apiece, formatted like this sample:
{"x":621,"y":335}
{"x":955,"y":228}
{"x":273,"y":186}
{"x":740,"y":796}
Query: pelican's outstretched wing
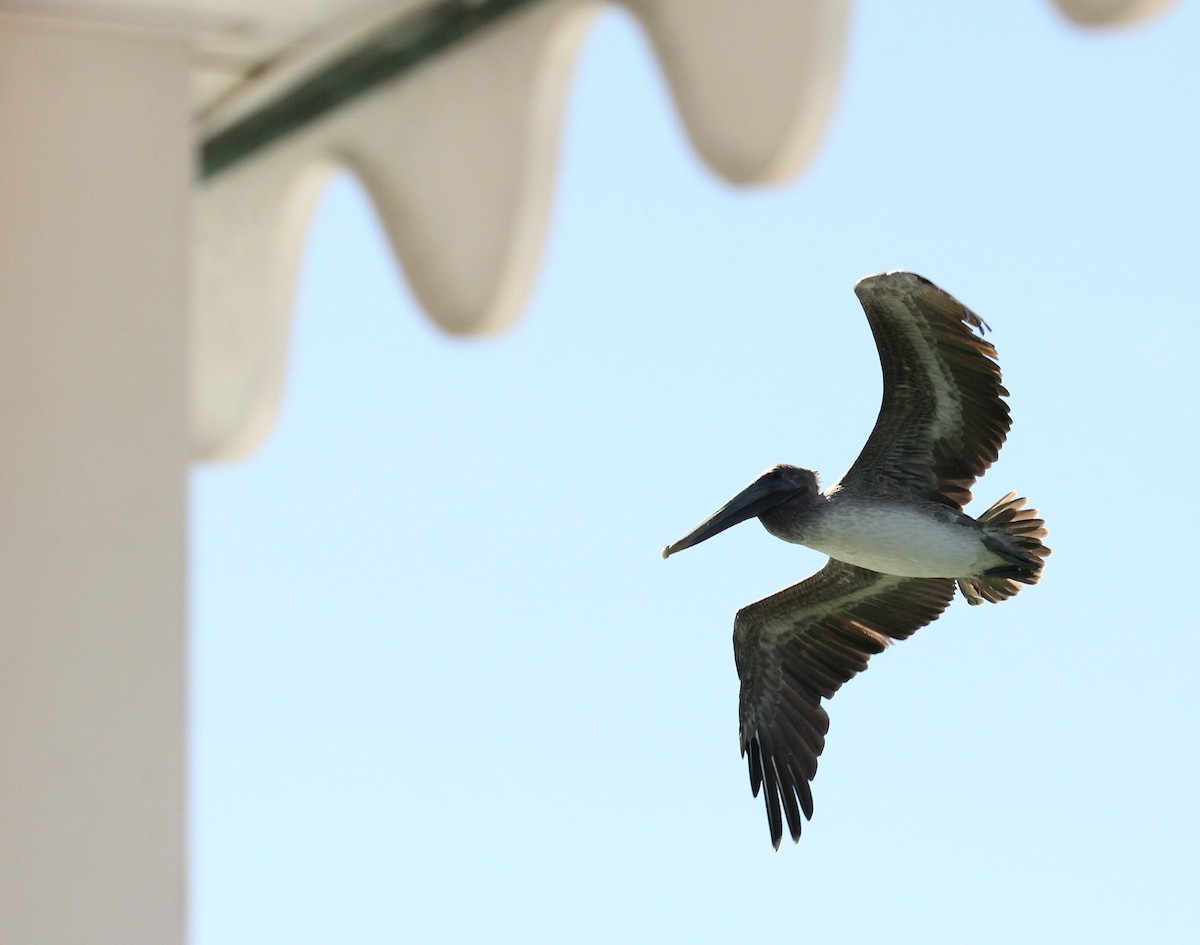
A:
{"x":802,"y":643}
{"x":943,"y":417}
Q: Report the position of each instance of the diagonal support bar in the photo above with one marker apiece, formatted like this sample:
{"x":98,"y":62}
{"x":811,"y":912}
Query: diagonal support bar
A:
{"x":383,"y":57}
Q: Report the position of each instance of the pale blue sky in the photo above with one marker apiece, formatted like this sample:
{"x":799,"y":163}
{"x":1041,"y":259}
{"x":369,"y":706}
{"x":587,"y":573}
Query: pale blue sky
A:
{"x":445,"y":690}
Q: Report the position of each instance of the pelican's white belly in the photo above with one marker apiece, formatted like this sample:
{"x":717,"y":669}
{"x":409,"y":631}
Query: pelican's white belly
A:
{"x":902,"y":540}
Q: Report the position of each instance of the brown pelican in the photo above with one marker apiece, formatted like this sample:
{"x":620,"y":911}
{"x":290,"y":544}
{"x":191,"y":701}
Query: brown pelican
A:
{"x":893,"y":528}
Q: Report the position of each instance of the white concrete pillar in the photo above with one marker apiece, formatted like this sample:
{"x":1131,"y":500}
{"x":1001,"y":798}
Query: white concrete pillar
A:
{"x":95,"y":167}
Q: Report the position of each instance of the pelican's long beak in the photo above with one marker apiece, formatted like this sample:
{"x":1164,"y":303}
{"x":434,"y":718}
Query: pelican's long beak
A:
{"x":766,"y":492}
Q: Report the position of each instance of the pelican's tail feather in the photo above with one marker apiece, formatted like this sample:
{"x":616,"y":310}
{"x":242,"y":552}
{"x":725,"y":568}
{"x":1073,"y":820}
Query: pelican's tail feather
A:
{"x":1015,"y":533}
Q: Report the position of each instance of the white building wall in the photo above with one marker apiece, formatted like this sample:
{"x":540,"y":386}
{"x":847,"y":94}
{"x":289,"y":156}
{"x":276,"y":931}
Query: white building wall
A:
{"x":95,"y":172}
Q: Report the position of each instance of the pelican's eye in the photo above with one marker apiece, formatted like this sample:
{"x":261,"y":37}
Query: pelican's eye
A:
{"x":797,"y":479}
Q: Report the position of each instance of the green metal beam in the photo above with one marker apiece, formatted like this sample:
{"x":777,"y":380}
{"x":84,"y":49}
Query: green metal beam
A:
{"x":385,"y":56}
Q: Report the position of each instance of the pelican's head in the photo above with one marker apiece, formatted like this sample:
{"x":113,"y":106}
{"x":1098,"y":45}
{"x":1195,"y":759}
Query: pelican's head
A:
{"x":777,"y":485}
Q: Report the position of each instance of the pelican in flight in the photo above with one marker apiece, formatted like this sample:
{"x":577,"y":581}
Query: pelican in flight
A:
{"x":894,"y":529}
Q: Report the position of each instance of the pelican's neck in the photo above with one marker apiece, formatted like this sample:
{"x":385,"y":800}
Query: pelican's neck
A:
{"x":797,"y":520}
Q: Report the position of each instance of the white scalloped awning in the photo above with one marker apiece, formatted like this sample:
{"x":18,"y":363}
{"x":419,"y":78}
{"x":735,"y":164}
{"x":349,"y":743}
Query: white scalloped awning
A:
{"x":458,"y":154}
